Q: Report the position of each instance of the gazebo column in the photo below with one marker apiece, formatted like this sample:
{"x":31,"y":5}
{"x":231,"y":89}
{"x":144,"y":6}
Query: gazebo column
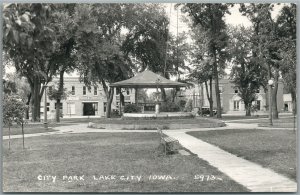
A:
{"x":120,"y":101}
{"x":157,"y":102}
{"x":136,"y":96}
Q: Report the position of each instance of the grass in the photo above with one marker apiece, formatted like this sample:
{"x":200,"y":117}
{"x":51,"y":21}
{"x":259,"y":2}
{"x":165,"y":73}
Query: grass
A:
{"x":280,"y":123}
{"x":274,"y":149}
{"x":31,"y":128}
{"x":239,"y":117}
{"x":148,"y":124}
{"x":263,"y":120}
{"x":18,"y":131}
{"x":157,"y":121}
{"x":120,"y":154}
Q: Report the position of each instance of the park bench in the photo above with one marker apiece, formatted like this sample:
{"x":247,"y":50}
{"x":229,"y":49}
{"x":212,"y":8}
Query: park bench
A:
{"x":167,"y":141}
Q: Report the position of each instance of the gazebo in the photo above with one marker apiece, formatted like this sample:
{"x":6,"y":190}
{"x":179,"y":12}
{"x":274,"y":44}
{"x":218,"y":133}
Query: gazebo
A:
{"x":147,"y":79}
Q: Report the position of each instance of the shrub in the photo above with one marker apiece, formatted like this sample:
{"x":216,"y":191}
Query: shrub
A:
{"x":132,"y":108}
{"x":188,"y":106}
{"x":182,"y":104}
{"x":170,"y":107}
{"x":115,"y":113}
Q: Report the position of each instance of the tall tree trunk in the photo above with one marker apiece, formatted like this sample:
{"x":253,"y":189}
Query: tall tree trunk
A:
{"x":209,"y":97}
{"x":274,"y":97}
{"x":248,"y":108}
{"x":109,"y":97}
{"x":57,"y":110}
{"x":216,"y":77}
{"x":109,"y":102}
{"x":61,"y":91}
{"x":294,"y":101}
{"x":9,"y":136}
{"x":27,"y":106}
{"x":163,"y":94}
{"x":36,"y":100}
{"x":174,"y":93}
{"x":201,"y":99}
{"x":23,"y":135}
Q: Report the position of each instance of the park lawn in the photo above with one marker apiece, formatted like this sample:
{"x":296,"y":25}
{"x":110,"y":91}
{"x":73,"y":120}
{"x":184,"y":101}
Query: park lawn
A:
{"x":196,"y":120}
{"x":240,"y":117}
{"x":120,"y":154}
{"x":263,"y":121}
{"x":274,"y":149}
{"x":31,"y":128}
{"x":290,"y":122}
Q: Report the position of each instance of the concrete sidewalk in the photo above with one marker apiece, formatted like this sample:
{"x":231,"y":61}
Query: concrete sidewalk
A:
{"x":251,"y":175}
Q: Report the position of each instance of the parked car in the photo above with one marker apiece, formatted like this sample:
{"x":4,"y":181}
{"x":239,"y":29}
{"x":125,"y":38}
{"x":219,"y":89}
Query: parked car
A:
{"x":206,"y":111}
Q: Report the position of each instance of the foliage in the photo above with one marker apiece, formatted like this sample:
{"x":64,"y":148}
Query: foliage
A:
{"x":9,"y":87}
{"x":245,"y":74}
{"x":210,"y":18}
{"x":131,"y":108}
{"x":115,"y":113}
{"x":188,"y":106}
{"x":13,"y":110}
{"x":99,"y":55}
{"x":55,"y":94}
{"x":266,"y":43}
{"x":29,"y":41}
{"x":170,"y":107}
{"x":147,"y":36}
{"x":287,"y":32}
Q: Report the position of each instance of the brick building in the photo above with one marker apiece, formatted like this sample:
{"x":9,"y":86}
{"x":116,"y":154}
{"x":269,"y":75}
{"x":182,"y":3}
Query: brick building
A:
{"x":83,"y":101}
{"x":230,"y":100}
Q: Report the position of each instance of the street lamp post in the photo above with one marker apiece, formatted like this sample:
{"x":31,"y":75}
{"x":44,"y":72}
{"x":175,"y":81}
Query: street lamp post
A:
{"x":45,"y":108}
{"x":157,"y":96}
{"x":270,"y":83}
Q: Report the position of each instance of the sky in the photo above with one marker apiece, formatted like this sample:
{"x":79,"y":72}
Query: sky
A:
{"x":235,"y":19}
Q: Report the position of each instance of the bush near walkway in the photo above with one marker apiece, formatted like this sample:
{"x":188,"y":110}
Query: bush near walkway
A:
{"x":98,"y":154}
{"x":274,"y":149}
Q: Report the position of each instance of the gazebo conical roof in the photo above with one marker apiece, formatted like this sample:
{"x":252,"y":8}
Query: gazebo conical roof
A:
{"x":148,"y":79}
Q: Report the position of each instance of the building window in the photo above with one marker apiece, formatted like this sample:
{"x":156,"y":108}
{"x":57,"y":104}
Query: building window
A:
{"x":71,"y":108}
{"x":220,"y":89}
{"x":95,"y":91}
{"x":48,"y":106}
{"x":236,"y":91}
{"x":84,"y":90}
{"x":257,"y":103}
{"x":127,"y":91}
{"x":104,"y":106}
{"x":236,"y":105}
{"x":50,"y":89}
{"x":73,"y":90}
{"x":60,"y":105}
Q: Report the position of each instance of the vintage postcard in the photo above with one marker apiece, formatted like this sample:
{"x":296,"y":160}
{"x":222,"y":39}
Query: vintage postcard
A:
{"x":149,"y":97}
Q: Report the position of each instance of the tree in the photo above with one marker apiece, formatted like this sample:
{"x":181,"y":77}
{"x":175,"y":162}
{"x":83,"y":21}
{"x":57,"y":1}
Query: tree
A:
{"x":15,"y":84}
{"x":148,"y":39}
{"x":13,"y":111}
{"x":287,"y":32}
{"x":98,"y":47}
{"x":202,"y":72}
{"x":28,"y":42}
{"x":105,"y":53}
{"x":267,"y":43}
{"x":245,"y":73}
{"x":58,"y":95}
{"x":63,"y":58}
{"x":210,"y":18}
